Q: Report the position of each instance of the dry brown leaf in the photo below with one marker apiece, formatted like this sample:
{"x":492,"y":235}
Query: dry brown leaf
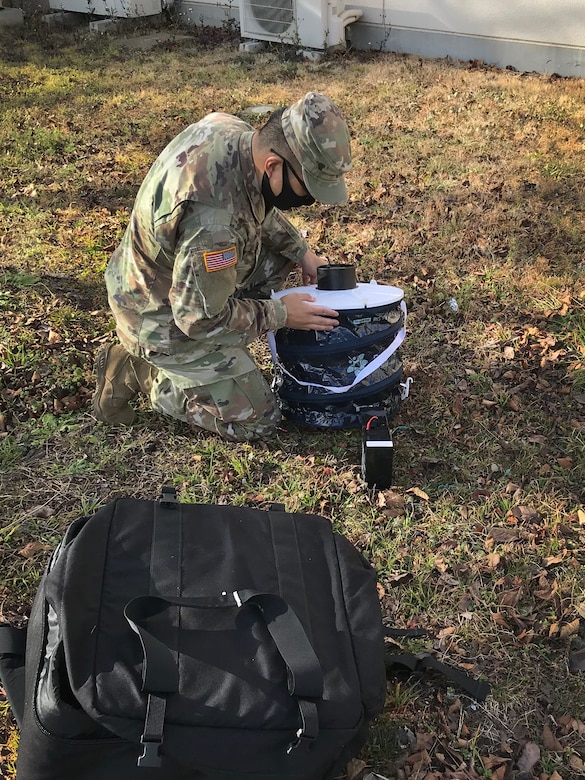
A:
{"x":578,"y":726}
{"x":424,"y":741}
{"x":538,"y":439}
{"x":71,"y":402}
{"x":530,"y":755}
{"x":33,"y":548}
{"x":509,"y":353}
{"x":489,"y":762}
{"x":526,"y":514}
{"x":499,"y":534}
{"x":53,"y":337}
{"x":570,"y":629}
{"x":480,"y":493}
{"x":500,"y":619}
{"x":440,"y":565}
{"x":555,"y":776}
{"x":42,"y":511}
{"x":401,"y":578}
{"x":499,"y":773}
{"x":455,"y":708}
{"x":554,"y":559}
{"x":457,"y":406}
{"x":392,"y":503}
{"x":565,"y":722}
{"x":514,"y":403}
{"x":550,"y":741}
{"x":418,"y":492}
{"x":355,"y":769}
{"x":525,"y":637}
{"x":566,"y":463}
{"x":577,"y":763}
{"x":422,"y":758}
{"x":492,"y":560}
{"x":381,"y":591}
{"x":510,"y":598}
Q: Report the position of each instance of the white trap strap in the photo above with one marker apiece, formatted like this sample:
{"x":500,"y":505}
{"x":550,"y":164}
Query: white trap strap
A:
{"x":363,"y":374}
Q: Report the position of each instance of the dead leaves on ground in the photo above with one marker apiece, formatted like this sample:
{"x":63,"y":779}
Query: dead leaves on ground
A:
{"x":454,"y":749}
{"x":46,"y":349}
{"x":528,"y":608}
{"x":524,"y":603}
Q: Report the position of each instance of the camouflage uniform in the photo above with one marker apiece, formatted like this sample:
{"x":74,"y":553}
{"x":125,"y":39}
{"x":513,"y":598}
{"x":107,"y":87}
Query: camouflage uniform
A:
{"x":190,"y":283}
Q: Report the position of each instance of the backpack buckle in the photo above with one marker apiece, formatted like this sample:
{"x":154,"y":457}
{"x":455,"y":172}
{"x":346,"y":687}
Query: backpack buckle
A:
{"x":309,"y":728}
{"x":168,"y":497}
{"x":152,"y":736}
{"x":301,"y":739}
{"x":150,"y":756}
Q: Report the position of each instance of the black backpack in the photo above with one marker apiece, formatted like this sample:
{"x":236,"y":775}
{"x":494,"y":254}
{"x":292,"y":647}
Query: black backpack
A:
{"x":176,"y":641}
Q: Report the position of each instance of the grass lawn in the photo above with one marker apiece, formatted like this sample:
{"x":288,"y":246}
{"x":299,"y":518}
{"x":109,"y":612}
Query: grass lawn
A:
{"x":468,"y":185}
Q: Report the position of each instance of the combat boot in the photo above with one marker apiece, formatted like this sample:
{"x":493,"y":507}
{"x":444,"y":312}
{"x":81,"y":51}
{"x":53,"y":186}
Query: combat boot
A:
{"x":119,"y":378}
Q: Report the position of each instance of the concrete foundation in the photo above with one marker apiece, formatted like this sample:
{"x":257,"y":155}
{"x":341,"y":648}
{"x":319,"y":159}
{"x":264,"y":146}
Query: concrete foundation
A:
{"x":251,"y":47}
{"x":103,"y":26}
{"x":11,"y":17}
{"x":64,"y":19}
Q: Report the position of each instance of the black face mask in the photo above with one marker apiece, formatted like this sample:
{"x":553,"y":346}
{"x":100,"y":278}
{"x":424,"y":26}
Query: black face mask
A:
{"x":288,"y":198}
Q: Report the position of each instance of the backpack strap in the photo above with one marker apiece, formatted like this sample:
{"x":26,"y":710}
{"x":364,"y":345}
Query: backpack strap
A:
{"x":12,"y":655}
{"x":400,"y":633}
{"x":12,"y":640}
{"x":165,"y":578}
{"x":289,"y":568}
{"x":167,"y":544}
{"x":160,"y":673}
{"x":477,"y":689}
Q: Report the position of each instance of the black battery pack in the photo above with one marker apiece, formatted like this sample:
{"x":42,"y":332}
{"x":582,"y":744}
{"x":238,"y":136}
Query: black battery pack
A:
{"x":377,"y":450}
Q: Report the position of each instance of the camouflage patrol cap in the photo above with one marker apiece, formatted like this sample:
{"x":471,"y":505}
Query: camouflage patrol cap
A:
{"x":318,"y":136}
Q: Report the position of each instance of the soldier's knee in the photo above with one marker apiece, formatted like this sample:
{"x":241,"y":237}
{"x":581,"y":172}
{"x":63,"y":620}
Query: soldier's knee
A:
{"x":235,"y":423}
{"x":264,"y":427}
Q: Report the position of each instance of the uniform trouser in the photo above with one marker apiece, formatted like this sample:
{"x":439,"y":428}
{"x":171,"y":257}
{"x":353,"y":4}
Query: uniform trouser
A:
{"x":238,"y":408}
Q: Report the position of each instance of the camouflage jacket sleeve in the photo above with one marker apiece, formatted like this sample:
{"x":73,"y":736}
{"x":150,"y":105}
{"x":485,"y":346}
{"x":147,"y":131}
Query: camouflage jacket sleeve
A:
{"x":281,"y":237}
{"x":202,"y":294}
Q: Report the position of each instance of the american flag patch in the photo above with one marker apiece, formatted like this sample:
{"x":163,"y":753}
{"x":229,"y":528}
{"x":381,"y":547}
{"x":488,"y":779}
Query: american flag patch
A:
{"x":217,"y":261}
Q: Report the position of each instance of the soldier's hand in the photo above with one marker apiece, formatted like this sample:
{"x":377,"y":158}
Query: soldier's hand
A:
{"x":309,"y":264}
{"x":304,"y":315}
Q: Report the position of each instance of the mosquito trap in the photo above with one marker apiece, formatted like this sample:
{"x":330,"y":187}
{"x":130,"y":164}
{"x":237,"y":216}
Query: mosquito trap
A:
{"x":351,"y":376}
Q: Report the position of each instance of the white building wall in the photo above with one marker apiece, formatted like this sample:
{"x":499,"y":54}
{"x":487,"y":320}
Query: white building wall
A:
{"x":547,"y":36}
{"x":542,"y":21}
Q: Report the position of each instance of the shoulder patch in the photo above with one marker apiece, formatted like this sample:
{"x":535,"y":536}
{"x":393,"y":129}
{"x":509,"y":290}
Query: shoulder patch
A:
{"x":220,"y":259}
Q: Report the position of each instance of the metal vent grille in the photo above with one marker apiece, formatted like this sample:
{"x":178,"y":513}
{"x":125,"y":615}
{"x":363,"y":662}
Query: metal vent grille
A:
{"x":273,"y":16}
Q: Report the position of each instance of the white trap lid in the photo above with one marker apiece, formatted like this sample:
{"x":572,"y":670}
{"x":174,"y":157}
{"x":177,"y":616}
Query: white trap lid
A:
{"x":364,"y":296}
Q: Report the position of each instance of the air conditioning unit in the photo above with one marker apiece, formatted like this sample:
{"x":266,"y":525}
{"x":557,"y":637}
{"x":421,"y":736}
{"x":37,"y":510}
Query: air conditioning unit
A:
{"x":312,"y":24}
